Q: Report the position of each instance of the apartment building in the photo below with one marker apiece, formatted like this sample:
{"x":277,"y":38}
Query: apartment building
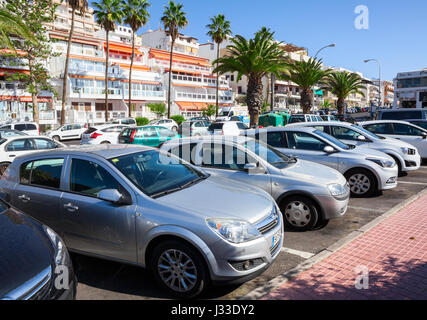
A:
{"x":193,"y":85}
{"x":411,"y":89}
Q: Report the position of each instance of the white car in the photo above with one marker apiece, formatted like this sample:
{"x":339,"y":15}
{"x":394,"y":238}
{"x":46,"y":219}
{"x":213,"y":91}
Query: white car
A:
{"x":67,"y":132}
{"x":400,"y":130}
{"x":103,"y":134}
{"x":16,"y":146}
{"x":227,"y":128}
{"x":167,"y":123}
{"x":405,"y":154}
{"x":30,"y":128}
{"x":125,"y":121}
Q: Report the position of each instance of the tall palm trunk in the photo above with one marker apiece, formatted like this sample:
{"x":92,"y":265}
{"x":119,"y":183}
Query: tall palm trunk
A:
{"x":67,"y":62}
{"x":130,"y":73}
{"x":254,"y":98}
{"x":170,"y":79}
{"x":106,"y":76}
{"x":306,"y":100}
{"x":341,"y":105}
{"x":217,"y":83}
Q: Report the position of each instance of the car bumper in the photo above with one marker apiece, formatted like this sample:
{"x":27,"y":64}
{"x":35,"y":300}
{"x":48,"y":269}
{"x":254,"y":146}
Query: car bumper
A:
{"x":258,"y":255}
{"x":411,"y":162}
{"x":387,"y":178}
{"x":333,"y":208}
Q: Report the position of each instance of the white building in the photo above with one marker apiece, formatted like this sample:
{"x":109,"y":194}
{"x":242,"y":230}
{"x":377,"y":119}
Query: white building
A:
{"x":411,"y":89}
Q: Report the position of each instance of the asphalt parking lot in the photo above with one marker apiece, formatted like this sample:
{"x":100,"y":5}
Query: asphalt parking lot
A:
{"x":100,"y":279}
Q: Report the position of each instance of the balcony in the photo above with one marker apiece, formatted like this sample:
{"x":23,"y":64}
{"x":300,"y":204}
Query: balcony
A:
{"x":187,"y":96}
{"x":198,"y":81}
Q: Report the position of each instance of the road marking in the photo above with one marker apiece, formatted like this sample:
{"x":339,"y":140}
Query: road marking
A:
{"x":302,"y":254}
{"x":365,"y":209}
{"x":417,"y":183}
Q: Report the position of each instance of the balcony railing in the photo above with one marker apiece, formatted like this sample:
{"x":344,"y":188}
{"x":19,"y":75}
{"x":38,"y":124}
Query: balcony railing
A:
{"x":201,"y":97}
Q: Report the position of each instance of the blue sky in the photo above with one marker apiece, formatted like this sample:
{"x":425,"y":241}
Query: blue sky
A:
{"x":397,"y":34}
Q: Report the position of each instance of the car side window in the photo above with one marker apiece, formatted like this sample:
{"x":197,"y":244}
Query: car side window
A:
{"x":404,"y":129}
{"x":275,"y":139}
{"x":224,"y":157}
{"x":149,"y":132}
{"x":163,"y":132}
{"x":21,"y":145}
{"x":89,"y":178}
{"x":241,"y":126}
{"x":42,"y":173}
{"x":380,"y":128}
{"x":304,"y":141}
{"x":344,"y":133}
{"x":20,"y":127}
{"x":44,"y":144}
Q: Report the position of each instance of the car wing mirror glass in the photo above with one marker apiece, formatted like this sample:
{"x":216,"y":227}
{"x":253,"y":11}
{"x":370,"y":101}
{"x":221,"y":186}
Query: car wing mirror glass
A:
{"x":329,"y":149}
{"x":110,"y":195}
{"x":361,"y":138}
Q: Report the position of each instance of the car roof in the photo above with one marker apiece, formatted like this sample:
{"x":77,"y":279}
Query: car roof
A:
{"x":382,"y":121}
{"x":329,"y":123}
{"x":277,"y":129}
{"x":210,"y":138}
{"x":418,"y":120}
{"x":25,"y":137}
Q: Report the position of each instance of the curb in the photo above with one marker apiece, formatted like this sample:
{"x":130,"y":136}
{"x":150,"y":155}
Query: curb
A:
{"x":305,"y":265}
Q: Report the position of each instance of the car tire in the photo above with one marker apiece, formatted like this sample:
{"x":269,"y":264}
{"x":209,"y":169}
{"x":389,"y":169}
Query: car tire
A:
{"x":105,"y":142}
{"x":56,"y":138}
{"x":178,"y":252}
{"x":399,"y":165}
{"x":3,"y":167}
{"x":362,"y":183}
{"x":299,"y":213}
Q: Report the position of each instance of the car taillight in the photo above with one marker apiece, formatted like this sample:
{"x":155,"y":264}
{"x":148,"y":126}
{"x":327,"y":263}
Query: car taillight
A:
{"x":95,"y":135}
{"x":222,"y":133}
{"x":86,"y":125}
{"x":132,"y":136}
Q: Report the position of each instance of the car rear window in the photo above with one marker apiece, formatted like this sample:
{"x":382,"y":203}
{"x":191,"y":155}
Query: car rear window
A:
{"x":42,"y":173}
{"x":90,"y":130}
{"x":20,"y":127}
{"x":401,"y":115}
{"x":30,"y":126}
{"x":215,"y":126}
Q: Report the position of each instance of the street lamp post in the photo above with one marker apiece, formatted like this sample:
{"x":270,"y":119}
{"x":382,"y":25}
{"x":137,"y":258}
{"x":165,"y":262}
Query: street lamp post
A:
{"x":379,"y":80}
{"x":332,"y":45}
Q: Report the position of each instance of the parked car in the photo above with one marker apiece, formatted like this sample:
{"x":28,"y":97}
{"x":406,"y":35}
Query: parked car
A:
{"x":30,"y":253}
{"x":140,"y":206}
{"x":194,"y":128}
{"x":68,"y":132}
{"x":400,"y":130}
{"x":304,"y":118}
{"x":30,"y":128}
{"x":419,"y":123}
{"x":166,"y":123}
{"x":231,"y":128}
{"x":152,"y":136}
{"x":244,"y":119}
{"x":6,"y":133}
{"x":308,"y":194}
{"x":366,"y":170}
{"x":405,"y":154}
{"x":345,"y":118}
{"x":103,"y":134}
{"x":205,"y":118}
{"x":124,"y":121}
{"x":401,"y":114}
{"x":16,"y":146}
{"x":329,"y":118}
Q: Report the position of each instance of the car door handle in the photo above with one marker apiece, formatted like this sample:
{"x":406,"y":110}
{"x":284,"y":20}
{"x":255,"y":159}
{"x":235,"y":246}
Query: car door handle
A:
{"x":70,"y":207}
{"x":12,"y":155}
{"x":24,"y":198}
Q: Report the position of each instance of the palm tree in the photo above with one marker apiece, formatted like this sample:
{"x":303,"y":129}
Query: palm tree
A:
{"x":254,"y":58}
{"x":11,"y":25}
{"x":135,"y":15}
{"x":306,"y":74}
{"x":107,"y":14}
{"x":173,"y":19}
{"x":219,"y":30}
{"x":342,"y":84}
{"x":81,"y":6}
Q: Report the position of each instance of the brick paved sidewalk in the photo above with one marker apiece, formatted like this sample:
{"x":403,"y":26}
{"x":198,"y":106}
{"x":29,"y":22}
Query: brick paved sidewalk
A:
{"x":394,"y":252}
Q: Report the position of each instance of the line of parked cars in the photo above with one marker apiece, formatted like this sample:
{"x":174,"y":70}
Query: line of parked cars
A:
{"x":206,"y":202}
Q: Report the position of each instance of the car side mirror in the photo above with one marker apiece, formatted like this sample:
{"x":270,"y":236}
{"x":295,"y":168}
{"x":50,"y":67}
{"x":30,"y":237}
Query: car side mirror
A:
{"x":110,"y":195}
{"x":424,"y":135}
{"x":329,"y":149}
{"x":361,"y":138}
{"x":253,"y":168}
{"x":250,"y":166}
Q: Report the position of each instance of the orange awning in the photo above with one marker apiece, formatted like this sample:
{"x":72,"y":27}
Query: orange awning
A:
{"x":178,"y":57}
{"x":122,"y":48}
{"x":191,"y":106}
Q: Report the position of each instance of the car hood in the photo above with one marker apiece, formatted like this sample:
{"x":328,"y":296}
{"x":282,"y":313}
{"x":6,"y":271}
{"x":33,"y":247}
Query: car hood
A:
{"x":397,"y":143}
{"x":218,"y":197}
{"x":313,"y":172}
{"x":25,"y":250}
{"x":368,"y":152}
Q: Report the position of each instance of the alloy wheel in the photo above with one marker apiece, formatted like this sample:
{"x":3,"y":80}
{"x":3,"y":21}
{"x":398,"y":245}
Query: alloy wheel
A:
{"x":177,"y":270}
{"x":359,"y":184}
{"x":298,"y":213}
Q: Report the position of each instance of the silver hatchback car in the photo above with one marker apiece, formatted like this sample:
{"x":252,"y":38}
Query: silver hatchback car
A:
{"x":140,"y":206}
{"x":307,"y":193}
{"x":366,"y":170}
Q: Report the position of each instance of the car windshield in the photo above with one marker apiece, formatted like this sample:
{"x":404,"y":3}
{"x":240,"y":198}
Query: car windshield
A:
{"x":368,"y":133}
{"x":224,"y":113}
{"x":332,"y":140}
{"x":156,"y":173}
{"x":11,"y":133}
{"x":272,"y":156}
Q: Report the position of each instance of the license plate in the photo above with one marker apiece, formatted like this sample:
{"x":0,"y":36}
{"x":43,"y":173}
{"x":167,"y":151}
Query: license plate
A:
{"x":276,"y":239}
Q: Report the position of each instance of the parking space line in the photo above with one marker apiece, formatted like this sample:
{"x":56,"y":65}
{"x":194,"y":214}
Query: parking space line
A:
{"x":364,"y":209}
{"x":417,"y":183}
{"x":302,"y":254}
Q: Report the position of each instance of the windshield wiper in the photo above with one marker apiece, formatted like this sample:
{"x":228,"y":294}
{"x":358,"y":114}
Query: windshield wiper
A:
{"x":188,"y":184}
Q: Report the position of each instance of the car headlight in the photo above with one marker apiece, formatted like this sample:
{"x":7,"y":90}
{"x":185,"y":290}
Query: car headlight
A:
{"x":337,"y":190}
{"x":384,"y":162}
{"x":404,"y":150}
{"x":60,"y":250}
{"x":235,"y":231}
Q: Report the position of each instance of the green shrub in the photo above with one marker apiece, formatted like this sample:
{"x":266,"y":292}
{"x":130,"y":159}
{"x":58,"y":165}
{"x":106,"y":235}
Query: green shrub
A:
{"x":142,"y":121}
{"x":178,"y":119}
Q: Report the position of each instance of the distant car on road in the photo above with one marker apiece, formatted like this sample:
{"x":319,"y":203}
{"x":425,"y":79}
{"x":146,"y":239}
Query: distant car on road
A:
{"x":166,"y":123}
{"x":30,"y":128}
{"x":152,"y":136}
{"x":30,"y":253}
{"x":124,"y":121}
{"x":227,"y":128}
{"x":140,"y":206}
{"x":103,"y":134}
{"x":68,"y":132}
